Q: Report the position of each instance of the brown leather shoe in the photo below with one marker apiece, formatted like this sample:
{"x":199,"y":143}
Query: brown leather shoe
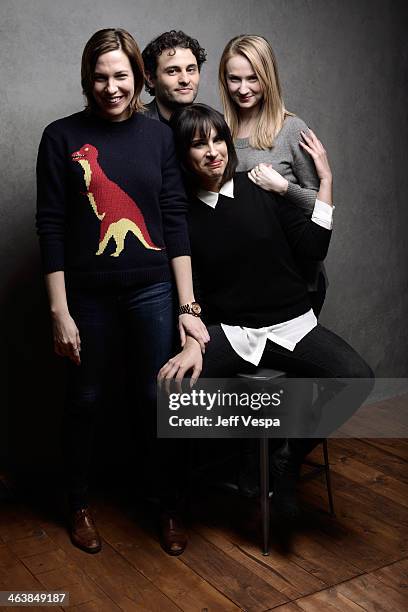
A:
{"x":173,"y":535}
{"x":83,"y":531}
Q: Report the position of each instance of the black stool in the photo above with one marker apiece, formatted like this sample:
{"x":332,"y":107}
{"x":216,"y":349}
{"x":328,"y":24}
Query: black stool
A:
{"x":267,"y":375}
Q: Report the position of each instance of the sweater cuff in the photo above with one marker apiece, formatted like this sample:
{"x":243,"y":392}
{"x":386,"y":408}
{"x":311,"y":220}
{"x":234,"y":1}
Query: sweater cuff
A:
{"x":179,"y":248}
{"x":304,"y":198}
{"x":52,"y":257}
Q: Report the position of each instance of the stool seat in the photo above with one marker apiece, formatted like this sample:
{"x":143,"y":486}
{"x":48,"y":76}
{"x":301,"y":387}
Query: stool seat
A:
{"x":263,"y":374}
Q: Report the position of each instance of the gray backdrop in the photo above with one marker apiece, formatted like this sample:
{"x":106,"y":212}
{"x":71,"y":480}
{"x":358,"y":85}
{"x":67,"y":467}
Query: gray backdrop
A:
{"x":343,"y":66}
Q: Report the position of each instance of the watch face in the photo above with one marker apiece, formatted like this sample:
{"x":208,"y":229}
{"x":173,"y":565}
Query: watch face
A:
{"x":196,"y":308}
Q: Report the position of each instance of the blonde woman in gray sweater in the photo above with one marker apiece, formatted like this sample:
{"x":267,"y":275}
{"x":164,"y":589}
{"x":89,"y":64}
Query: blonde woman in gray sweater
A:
{"x":272,"y":144}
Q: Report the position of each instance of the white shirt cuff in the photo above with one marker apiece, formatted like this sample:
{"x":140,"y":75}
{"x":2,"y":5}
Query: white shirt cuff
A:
{"x":323,"y":214}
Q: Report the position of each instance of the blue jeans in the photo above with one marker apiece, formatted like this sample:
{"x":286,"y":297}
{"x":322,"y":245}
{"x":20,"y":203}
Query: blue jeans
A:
{"x":147,"y":316}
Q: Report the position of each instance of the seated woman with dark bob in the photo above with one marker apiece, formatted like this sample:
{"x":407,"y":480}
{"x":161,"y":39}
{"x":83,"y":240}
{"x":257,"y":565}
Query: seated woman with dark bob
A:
{"x":245,"y":243}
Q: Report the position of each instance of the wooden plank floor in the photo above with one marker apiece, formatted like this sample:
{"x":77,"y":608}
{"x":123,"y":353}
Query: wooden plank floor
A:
{"x":356,"y":561}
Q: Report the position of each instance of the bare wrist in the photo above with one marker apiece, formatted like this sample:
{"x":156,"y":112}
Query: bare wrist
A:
{"x":58,"y":311}
{"x":284,"y":188}
{"x":190,"y":341}
{"x":327,"y":180}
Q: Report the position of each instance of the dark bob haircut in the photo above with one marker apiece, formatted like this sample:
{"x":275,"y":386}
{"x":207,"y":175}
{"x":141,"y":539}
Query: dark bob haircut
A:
{"x":186,"y":122}
{"x":170,"y":40}
{"x":103,"y":41}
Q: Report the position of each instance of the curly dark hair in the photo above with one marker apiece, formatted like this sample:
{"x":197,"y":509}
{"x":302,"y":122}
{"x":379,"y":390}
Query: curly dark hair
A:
{"x":170,"y":40}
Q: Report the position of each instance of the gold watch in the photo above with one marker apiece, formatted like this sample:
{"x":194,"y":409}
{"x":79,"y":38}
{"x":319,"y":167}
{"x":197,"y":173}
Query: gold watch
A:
{"x":192,"y":308}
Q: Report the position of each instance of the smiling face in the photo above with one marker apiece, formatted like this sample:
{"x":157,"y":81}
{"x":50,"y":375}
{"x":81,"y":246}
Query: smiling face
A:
{"x":207,"y":159}
{"x":176,"y":80}
{"x":114,"y":86}
{"x":243,"y":84}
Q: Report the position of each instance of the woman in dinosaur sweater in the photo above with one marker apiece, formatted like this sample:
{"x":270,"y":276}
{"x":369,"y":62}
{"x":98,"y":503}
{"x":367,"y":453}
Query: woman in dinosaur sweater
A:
{"x":245,"y":246}
{"x":112,"y":227}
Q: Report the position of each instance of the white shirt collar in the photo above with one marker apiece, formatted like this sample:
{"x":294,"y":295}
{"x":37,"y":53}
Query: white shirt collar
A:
{"x":211,"y":197}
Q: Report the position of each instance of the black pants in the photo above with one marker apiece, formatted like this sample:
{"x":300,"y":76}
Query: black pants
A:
{"x":320,"y":354}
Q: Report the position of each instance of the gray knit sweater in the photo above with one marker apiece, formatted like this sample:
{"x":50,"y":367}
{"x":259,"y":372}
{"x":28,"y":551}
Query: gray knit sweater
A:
{"x":289,"y":159}
{"x":297,"y":167}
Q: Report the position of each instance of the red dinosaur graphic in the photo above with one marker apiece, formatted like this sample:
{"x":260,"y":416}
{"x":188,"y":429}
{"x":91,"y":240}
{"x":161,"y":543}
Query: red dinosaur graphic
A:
{"x":116,"y":210}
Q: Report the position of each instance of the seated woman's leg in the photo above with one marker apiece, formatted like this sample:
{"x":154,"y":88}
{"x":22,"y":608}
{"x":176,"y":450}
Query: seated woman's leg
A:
{"x":220,"y":360}
{"x":320,"y":354}
{"x":323,"y":354}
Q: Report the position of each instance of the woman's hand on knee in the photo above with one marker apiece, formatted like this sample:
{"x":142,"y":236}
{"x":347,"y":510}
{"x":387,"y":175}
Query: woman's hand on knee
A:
{"x":189,"y":359}
{"x":67,"y":342}
{"x":194,"y":327}
{"x":269,"y":179}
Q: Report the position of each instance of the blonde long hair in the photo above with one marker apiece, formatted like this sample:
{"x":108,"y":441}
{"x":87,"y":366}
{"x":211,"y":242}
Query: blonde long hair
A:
{"x":260,"y":55}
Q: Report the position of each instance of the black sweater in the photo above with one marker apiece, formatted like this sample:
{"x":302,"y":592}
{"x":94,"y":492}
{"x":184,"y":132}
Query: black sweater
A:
{"x":244,"y":252}
{"x":111,"y":207}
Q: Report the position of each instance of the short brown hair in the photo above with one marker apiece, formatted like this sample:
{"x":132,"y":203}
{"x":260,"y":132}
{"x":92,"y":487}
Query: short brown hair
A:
{"x":103,"y":41}
{"x":200,"y":118}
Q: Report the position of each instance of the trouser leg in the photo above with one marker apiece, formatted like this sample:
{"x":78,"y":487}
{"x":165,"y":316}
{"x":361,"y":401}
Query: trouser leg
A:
{"x":151,"y":333}
{"x":220,"y":359}
{"x":93,"y":315}
{"x":323,"y":354}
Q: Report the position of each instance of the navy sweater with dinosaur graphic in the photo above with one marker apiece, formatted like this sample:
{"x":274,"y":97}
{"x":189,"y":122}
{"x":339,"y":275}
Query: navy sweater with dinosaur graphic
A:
{"x":111,"y":206}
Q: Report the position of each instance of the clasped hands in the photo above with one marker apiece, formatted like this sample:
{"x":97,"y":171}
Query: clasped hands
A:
{"x":266,"y":177}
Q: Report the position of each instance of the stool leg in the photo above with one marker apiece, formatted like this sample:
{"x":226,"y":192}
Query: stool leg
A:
{"x":328,"y":478}
{"x":264,"y":476}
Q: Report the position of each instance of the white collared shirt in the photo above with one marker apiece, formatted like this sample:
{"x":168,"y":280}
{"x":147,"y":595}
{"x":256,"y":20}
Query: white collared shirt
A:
{"x":250,"y":343}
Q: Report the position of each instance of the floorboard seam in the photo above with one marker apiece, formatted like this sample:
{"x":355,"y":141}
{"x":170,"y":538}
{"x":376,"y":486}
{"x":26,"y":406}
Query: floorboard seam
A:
{"x":342,"y":582}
